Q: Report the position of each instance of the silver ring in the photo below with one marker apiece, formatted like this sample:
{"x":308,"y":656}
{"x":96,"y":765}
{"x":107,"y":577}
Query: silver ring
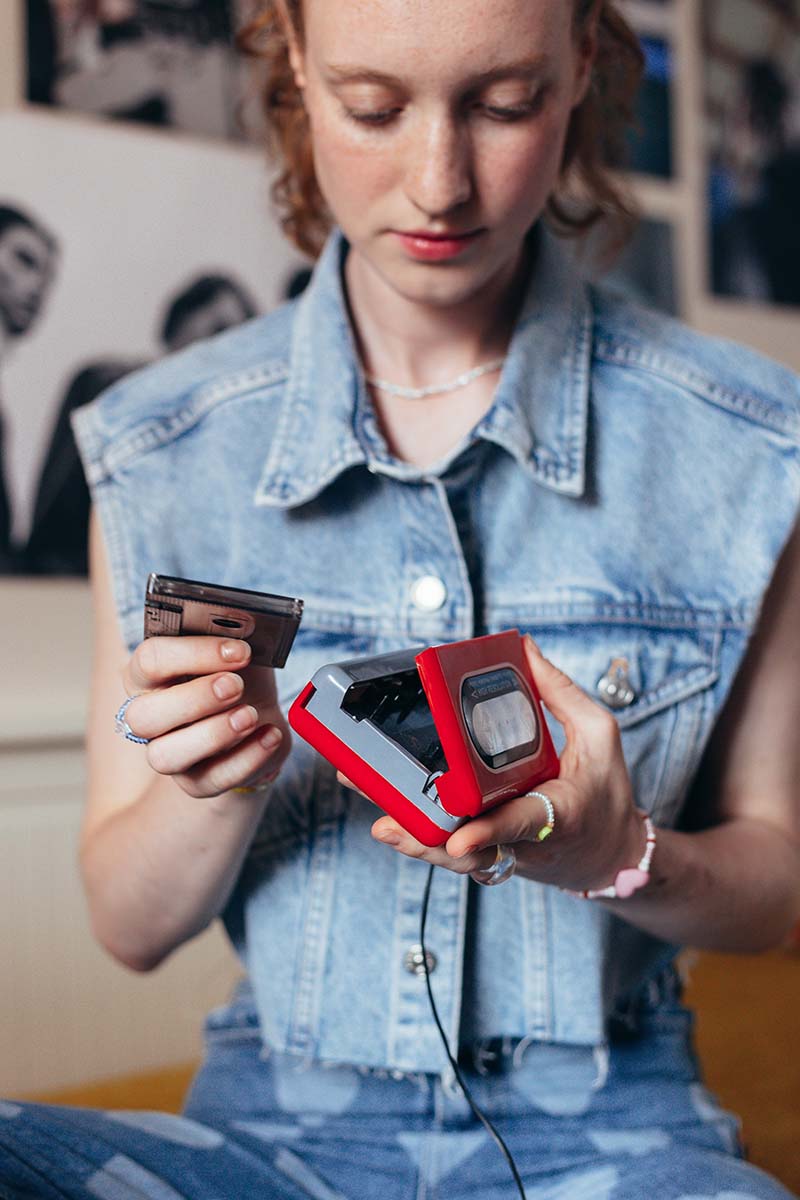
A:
{"x":503,"y":867}
{"x":122,"y":726}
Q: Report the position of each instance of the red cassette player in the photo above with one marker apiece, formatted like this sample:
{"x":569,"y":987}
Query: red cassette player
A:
{"x":433,"y":737}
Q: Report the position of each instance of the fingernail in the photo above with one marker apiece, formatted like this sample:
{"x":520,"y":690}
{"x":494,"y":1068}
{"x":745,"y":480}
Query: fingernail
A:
{"x":225,"y":687}
{"x":243,"y":718}
{"x":271,"y":737}
{"x":235,"y":651}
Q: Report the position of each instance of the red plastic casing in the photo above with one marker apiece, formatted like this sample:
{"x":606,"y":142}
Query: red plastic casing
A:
{"x":469,"y":786}
{"x":359,"y":772}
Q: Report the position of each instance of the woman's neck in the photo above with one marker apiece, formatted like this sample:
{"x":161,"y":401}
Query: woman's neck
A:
{"x":416,"y":344}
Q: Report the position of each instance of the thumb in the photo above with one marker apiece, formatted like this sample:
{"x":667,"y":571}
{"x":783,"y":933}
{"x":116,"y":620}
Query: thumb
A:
{"x":568,"y":703}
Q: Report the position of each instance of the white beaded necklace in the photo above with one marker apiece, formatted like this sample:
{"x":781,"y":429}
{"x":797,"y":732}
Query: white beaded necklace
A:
{"x":435,"y":389}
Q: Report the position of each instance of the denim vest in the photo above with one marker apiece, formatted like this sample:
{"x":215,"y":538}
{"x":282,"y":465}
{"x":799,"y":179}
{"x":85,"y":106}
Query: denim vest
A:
{"x":637,"y":482}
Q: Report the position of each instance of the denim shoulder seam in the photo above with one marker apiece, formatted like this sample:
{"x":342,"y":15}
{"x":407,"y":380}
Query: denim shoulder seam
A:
{"x":156,"y":432}
{"x":764,"y":409}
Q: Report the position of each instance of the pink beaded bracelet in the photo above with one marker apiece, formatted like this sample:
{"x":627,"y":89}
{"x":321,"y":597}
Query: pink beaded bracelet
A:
{"x":629,"y":879}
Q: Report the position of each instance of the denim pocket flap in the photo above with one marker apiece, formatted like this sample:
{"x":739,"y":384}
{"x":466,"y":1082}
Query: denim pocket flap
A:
{"x":636,"y":671}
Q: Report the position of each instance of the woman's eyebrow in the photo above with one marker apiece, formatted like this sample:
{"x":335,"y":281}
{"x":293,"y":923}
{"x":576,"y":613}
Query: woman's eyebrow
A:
{"x":526,"y":68}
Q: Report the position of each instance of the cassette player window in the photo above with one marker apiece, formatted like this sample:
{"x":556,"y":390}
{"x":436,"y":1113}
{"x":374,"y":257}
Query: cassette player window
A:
{"x":499,"y":716}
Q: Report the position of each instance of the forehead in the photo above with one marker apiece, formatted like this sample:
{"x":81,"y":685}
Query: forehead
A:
{"x":438,"y":36}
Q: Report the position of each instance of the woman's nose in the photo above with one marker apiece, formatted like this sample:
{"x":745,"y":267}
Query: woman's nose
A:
{"x":439,"y":172}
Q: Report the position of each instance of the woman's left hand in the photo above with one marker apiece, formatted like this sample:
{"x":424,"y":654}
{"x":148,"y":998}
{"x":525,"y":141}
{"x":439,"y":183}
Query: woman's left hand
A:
{"x":597,"y":829}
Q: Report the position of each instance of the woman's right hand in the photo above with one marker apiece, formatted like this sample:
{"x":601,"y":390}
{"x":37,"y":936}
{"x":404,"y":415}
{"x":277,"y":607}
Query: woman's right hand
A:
{"x":212,"y":721}
{"x":164,"y":838}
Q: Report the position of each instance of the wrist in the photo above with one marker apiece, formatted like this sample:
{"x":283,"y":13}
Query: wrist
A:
{"x":636,"y":875}
{"x":241,"y":803}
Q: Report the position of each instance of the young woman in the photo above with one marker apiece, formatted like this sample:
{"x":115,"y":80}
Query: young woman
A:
{"x":449,"y":434}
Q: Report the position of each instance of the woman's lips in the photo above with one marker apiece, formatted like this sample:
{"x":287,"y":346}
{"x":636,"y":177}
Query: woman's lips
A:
{"x":435,"y":247}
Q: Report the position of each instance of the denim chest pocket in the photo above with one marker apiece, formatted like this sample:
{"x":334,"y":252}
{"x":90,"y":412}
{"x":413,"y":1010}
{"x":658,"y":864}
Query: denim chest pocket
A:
{"x":659,"y":685}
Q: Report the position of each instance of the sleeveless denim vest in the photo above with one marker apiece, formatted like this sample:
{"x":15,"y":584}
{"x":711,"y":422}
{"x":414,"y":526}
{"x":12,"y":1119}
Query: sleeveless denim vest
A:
{"x":637,"y":484}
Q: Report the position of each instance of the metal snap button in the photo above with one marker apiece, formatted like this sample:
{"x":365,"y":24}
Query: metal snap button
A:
{"x":615,"y":688}
{"x":414,"y":963}
{"x":428,"y":593}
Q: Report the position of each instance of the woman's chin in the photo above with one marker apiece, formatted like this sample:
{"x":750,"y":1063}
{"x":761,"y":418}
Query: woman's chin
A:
{"x":434,"y":285}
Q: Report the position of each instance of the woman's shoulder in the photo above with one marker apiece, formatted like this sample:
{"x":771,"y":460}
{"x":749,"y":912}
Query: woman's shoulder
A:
{"x":715,"y":370}
{"x":158,"y":402}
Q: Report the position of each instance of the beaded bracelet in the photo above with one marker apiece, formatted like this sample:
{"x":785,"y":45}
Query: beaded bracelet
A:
{"x":629,"y":879}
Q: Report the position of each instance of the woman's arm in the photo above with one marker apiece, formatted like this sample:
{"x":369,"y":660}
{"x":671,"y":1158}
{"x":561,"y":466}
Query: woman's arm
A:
{"x":163,"y":837}
{"x":733,"y":883}
{"x":741,"y":870}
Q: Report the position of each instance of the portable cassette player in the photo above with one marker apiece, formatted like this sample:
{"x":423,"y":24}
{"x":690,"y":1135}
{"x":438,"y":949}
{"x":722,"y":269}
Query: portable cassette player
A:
{"x":433,"y":737}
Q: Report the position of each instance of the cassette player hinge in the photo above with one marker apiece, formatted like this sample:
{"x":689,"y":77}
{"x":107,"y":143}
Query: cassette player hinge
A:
{"x":430,"y":789}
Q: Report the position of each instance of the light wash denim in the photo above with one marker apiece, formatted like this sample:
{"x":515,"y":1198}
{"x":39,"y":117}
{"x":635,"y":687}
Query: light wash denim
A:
{"x":634,"y":1123}
{"x":637,"y":484}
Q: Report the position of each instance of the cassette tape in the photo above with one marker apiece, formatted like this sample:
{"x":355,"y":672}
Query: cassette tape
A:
{"x":175,"y":606}
{"x":433,"y":737}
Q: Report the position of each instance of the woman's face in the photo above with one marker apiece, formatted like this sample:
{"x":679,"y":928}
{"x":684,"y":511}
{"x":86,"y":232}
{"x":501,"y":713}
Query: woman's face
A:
{"x":438,"y":129}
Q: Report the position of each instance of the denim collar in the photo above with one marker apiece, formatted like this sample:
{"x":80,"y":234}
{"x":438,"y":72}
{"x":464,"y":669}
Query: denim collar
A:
{"x":539,"y":415}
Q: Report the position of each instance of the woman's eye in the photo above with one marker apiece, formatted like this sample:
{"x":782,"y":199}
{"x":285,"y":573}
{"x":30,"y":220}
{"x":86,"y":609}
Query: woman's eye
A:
{"x":372,"y":117}
{"x":512,"y":112}
{"x":505,"y":114}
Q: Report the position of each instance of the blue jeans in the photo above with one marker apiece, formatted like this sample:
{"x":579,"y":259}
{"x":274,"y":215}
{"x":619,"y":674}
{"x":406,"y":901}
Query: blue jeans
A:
{"x":631,"y":1124}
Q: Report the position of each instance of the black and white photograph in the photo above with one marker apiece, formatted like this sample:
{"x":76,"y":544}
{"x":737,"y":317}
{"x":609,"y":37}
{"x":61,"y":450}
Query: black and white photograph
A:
{"x":185,"y":236}
{"x":751,"y":53}
{"x":169,"y":63}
